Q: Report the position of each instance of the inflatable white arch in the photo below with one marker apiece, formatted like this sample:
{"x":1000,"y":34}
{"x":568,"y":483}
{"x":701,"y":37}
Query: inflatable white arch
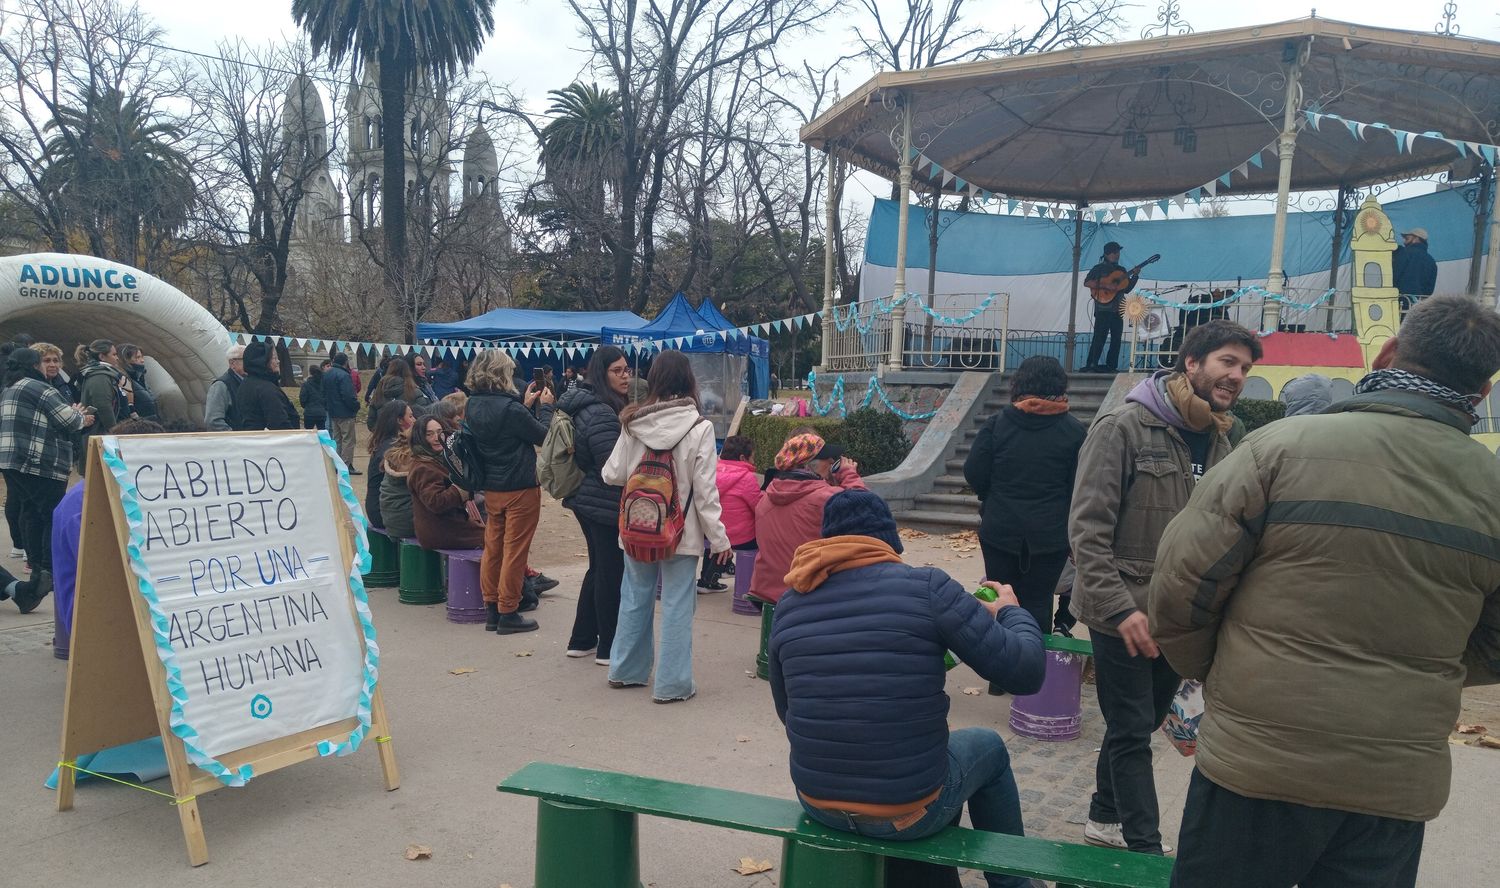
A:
{"x":68,"y":299}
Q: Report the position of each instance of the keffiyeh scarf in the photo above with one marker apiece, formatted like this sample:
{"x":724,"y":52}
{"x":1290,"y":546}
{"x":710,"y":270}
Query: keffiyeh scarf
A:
{"x":1384,"y":380}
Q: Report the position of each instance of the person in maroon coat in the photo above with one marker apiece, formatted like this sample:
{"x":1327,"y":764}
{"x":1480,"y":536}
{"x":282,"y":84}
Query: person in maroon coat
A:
{"x":444,"y":515}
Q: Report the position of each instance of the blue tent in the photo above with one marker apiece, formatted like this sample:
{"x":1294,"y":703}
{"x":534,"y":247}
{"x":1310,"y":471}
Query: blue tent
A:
{"x":526,"y":323}
{"x":760,"y":350}
{"x":679,"y":319}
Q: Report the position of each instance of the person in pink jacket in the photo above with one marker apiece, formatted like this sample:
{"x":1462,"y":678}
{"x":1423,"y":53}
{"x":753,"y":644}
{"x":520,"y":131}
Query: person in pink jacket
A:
{"x":808,"y":472}
{"x":738,"y":494}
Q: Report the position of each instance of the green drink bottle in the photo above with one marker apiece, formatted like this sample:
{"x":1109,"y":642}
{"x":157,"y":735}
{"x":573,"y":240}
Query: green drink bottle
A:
{"x":983,"y":593}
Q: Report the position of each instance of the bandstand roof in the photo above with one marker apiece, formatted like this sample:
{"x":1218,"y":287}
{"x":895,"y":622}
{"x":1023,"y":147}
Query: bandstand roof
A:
{"x":1049,"y":126}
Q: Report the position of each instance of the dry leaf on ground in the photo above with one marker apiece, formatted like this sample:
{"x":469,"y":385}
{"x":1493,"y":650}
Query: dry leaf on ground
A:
{"x":972,"y":692}
{"x":418,"y":852}
{"x":1488,"y":742}
{"x":748,"y":866}
{"x":462,"y":670}
{"x":523,"y":653}
{"x":911,"y":533}
{"x":1471,"y":729}
{"x":742,"y":739}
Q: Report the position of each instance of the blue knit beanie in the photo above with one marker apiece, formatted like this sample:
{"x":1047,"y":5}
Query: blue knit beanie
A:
{"x":860,"y":513}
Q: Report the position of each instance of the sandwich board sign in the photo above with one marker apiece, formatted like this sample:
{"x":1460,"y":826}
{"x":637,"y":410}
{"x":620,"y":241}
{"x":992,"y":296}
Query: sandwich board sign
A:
{"x":219,"y":606}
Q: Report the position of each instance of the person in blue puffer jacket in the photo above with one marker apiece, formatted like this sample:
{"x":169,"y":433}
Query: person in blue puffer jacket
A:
{"x":857,"y":675}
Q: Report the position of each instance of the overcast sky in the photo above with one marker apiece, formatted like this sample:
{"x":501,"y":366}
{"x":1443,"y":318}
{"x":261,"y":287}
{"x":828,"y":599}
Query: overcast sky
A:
{"x":536,"y":47}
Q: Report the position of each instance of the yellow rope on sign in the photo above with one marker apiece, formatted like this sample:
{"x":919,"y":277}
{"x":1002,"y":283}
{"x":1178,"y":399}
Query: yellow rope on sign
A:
{"x":385,"y":739}
{"x":73,"y":766}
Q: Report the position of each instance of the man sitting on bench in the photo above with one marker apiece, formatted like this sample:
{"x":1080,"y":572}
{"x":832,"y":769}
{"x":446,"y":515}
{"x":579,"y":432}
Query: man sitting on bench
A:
{"x":856,"y":668}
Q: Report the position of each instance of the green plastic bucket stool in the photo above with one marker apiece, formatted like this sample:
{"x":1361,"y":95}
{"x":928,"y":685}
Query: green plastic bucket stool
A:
{"x":580,"y":846}
{"x":421,"y":575}
{"x":808,"y":866}
{"x":762,"y":659}
{"x":385,"y":561}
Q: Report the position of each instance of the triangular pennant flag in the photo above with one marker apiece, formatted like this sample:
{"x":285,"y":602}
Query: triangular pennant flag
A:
{"x":1488,"y":153}
{"x":1255,"y":160}
{"x":1243,"y":169}
{"x":301,"y":342}
{"x":1163,"y":204}
{"x":1462,"y":148}
{"x":1010,"y":204}
{"x":947,"y":177}
{"x":1359,"y":131}
{"x":1224,"y":180}
{"x":1131,"y":211}
{"x":959,"y":184}
{"x":921,"y":161}
{"x":1180,"y":200}
{"x":1146,"y":210}
{"x":1211,"y":188}
{"x":1406,"y":140}
{"x":1312,"y":118}
{"x":1353,"y":128}
{"x":912,"y":152}
{"x":1026,"y":208}
{"x":1114,"y":214}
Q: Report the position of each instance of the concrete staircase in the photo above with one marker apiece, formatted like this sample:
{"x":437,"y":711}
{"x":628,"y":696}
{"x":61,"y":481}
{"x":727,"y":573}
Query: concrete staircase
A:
{"x":950,"y":505}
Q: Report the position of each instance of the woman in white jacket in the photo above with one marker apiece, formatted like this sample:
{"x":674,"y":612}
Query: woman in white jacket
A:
{"x":669,"y":419}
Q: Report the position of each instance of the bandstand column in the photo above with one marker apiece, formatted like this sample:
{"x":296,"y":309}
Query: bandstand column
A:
{"x":1493,"y":263}
{"x":898,"y":291}
{"x":830,"y":207}
{"x":1286,"y":147}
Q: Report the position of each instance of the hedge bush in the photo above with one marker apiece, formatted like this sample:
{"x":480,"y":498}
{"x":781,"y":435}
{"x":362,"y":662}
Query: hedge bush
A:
{"x":768,"y":433}
{"x":875,"y":440}
{"x":870,"y":436}
{"x":1257,"y":413}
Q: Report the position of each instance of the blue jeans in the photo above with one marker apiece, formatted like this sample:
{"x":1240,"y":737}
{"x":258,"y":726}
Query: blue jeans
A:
{"x":978,"y":773}
{"x":631,"y":657}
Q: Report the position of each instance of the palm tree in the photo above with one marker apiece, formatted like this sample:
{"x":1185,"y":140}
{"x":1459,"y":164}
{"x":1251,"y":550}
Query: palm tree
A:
{"x":405,"y":39}
{"x":116,"y":168}
{"x":581,"y":146}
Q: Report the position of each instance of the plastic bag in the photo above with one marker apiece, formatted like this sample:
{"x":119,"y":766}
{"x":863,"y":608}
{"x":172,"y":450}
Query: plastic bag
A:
{"x":1181,"y":725}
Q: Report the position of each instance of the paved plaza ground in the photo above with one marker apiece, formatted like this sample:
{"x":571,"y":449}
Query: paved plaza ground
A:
{"x":329,"y":823}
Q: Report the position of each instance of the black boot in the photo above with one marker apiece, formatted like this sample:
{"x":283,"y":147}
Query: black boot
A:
{"x":540,"y":583}
{"x":491,"y":616}
{"x":530,"y":598}
{"x":513,"y":622}
{"x":30,"y":594}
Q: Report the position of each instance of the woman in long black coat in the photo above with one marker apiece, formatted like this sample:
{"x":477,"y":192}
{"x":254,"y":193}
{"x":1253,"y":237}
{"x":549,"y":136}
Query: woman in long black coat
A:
{"x":1022,"y":467}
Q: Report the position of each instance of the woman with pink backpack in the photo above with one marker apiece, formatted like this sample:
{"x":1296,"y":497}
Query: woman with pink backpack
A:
{"x":666,"y":463}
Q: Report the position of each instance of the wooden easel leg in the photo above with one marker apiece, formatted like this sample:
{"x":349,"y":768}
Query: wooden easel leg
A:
{"x":381,"y":728}
{"x":66,"y":780}
{"x":192,"y":832}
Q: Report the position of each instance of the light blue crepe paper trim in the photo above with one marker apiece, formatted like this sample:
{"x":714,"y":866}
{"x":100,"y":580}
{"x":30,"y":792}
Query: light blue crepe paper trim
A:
{"x":361,"y":604}
{"x":160,"y":628}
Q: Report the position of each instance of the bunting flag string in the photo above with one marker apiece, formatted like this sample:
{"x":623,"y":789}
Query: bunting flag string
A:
{"x":1236,"y":296}
{"x":846,"y":315}
{"x":467,"y":348}
{"x":1009,"y":205}
{"x":1402,"y":139}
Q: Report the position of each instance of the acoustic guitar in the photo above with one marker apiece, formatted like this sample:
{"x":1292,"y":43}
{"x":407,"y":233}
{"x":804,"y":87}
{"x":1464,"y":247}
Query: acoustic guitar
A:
{"x":1105,"y":288}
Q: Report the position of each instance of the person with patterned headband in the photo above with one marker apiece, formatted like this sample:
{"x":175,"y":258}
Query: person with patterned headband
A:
{"x":809,"y":470}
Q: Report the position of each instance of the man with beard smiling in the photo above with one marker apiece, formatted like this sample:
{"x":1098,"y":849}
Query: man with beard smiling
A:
{"x":1136,"y":471}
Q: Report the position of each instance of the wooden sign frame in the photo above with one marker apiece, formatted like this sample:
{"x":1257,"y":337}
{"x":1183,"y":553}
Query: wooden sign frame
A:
{"x":117,"y":686}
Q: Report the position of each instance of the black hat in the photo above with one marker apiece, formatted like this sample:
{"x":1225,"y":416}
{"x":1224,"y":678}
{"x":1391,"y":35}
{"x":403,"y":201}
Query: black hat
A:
{"x":1112,"y":247}
{"x":340,"y":359}
{"x":860,"y":513}
{"x":830,"y":451}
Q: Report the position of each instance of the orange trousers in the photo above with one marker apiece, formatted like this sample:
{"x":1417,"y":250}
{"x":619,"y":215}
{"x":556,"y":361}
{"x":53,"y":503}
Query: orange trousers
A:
{"x":507,"y":543}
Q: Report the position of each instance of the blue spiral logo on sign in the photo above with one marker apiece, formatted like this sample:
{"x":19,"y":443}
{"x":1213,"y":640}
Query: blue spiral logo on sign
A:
{"x":260,"y":706}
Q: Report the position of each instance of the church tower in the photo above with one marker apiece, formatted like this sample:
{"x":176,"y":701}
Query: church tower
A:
{"x":304,"y":127}
{"x":481,"y":170}
{"x":1377,"y":307}
{"x":427,"y":140}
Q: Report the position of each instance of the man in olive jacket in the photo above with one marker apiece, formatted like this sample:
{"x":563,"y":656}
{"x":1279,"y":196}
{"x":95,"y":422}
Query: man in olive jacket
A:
{"x":1334,"y":581}
{"x":1135,"y":472}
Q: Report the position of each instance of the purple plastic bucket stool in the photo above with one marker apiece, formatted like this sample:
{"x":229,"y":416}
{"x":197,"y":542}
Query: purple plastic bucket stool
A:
{"x":744,"y":571}
{"x":465,"y":600}
{"x":1055,"y":712}
{"x":61,"y":633}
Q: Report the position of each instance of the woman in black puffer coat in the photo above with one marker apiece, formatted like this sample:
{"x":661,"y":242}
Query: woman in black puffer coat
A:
{"x":260,"y":401}
{"x":594,"y":406}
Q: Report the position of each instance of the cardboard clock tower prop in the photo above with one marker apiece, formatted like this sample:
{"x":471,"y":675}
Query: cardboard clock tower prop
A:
{"x":220,"y":606}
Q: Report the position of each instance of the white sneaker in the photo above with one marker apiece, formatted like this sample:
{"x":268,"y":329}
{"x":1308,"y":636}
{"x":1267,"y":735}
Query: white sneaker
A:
{"x":602,"y":661}
{"x":17,"y":553}
{"x":1105,"y":835}
{"x":578,"y":655}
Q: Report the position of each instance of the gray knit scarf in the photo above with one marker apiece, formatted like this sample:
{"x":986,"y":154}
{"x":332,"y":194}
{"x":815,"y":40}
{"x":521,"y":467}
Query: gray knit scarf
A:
{"x":1382,"y":380}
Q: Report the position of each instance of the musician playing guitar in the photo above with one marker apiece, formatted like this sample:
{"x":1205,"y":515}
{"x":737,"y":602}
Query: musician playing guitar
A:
{"x":1109,"y":282}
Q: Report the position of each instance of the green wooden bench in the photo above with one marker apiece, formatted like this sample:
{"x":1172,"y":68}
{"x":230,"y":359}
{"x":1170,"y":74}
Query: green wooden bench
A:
{"x":586,"y":836}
